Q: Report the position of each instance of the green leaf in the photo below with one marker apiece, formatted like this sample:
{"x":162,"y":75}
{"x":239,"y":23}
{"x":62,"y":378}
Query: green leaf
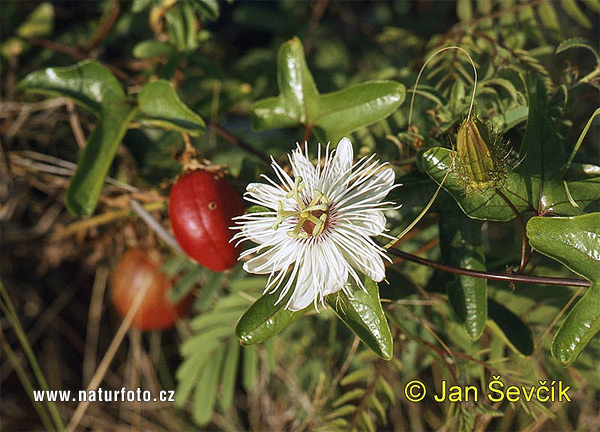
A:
{"x":160,"y":106}
{"x":548,"y":16}
{"x":541,"y":150}
{"x":485,"y":205}
{"x":351,"y":395}
{"x":572,"y":198}
{"x":579,"y":327}
{"x":229,"y":374}
{"x":356,"y":376}
{"x":265,"y":318}
{"x":208,"y":8}
{"x":460,"y":240}
{"x":464,"y":10}
{"x":88,"y":83}
{"x":151,"y":48}
{"x":331,"y":115}
{"x":249,"y":367}
{"x":510,"y":328}
{"x":94,"y":87}
{"x":515,"y":116}
{"x":140,"y":5}
{"x":363,"y":314}
{"x":205,"y":395}
{"x":582,"y":136}
{"x":501,"y":82}
{"x":88,"y":180}
{"x":594,"y":5}
{"x":353,"y":108}
{"x":187,"y":377}
{"x":40,"y":22}
{"x":573,"y":10}
{"x":575,"y":242}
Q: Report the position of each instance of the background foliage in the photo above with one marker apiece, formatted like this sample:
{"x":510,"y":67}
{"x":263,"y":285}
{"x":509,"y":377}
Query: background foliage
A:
{"x":97,"y":97}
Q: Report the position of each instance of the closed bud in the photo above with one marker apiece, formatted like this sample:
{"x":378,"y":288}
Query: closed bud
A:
{"x":478,"y":160}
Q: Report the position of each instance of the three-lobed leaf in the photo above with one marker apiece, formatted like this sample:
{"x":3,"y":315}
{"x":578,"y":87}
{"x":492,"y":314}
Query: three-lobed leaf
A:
{"x":87,"y":83}
{"x":94,"y":87}
{"x":575,"y":242}
{"x":485,"y":205}
{"x":330,"y":115}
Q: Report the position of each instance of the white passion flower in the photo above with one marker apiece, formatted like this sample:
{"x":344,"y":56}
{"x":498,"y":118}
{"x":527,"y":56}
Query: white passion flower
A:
{"x":317,"y":232}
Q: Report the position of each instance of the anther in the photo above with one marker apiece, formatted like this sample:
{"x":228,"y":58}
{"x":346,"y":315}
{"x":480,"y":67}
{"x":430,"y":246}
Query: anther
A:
{"x":314,"y":214}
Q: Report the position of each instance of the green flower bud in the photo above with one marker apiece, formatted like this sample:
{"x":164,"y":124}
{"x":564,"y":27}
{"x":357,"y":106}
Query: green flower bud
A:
{"x":478,"y":160}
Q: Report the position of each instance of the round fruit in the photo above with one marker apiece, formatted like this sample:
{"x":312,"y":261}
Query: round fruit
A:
{"x":201,"y":207}
{"x":136,"y":271}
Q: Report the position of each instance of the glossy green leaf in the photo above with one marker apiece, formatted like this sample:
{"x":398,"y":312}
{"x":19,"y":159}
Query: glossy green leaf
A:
{"x":571,"y":198}
{"x":486,"y":205}
{"x":88,"y":83}
{"x":331,"y":115}
{"x":265,"y":318}
{"x":363,"y":314}
{"x":88,"y":180}
{"x":350,"y":109}
{"x":579,"y":327}
{"x":510,"y":328}
{"x":575,"y":242}
{"x":94,"y":87}
{"x":460,"y":240}
{"x":564,"y":198}
{"x":160,"y":106}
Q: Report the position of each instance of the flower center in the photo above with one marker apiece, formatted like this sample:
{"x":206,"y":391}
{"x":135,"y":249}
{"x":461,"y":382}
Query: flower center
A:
{"x":311,"y":217}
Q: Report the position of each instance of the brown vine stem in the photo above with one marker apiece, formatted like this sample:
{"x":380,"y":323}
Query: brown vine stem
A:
{"x":544,"y":280}
{"x":524,"y":259}
{"x":241,"y":144}
{"x":75,"y":52}
{"x":103,"y":31}
{"x":307,"y":132}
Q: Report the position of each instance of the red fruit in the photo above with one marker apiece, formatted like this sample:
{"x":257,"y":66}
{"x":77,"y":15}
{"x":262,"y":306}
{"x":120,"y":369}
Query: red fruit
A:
{"x":201,"y":207}
{"x":136,"y":271}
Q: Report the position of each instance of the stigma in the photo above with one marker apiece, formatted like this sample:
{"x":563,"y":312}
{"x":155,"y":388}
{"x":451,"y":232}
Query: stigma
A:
{"x":312,"y":218}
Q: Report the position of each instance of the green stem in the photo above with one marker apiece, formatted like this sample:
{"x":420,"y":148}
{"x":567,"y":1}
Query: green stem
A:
{"x":581,"y":138}
{"x":12,"y":358}
{"x":9,"y":310}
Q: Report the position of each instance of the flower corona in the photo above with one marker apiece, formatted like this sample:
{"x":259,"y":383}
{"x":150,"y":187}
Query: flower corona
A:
{"x":314,"y":233}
